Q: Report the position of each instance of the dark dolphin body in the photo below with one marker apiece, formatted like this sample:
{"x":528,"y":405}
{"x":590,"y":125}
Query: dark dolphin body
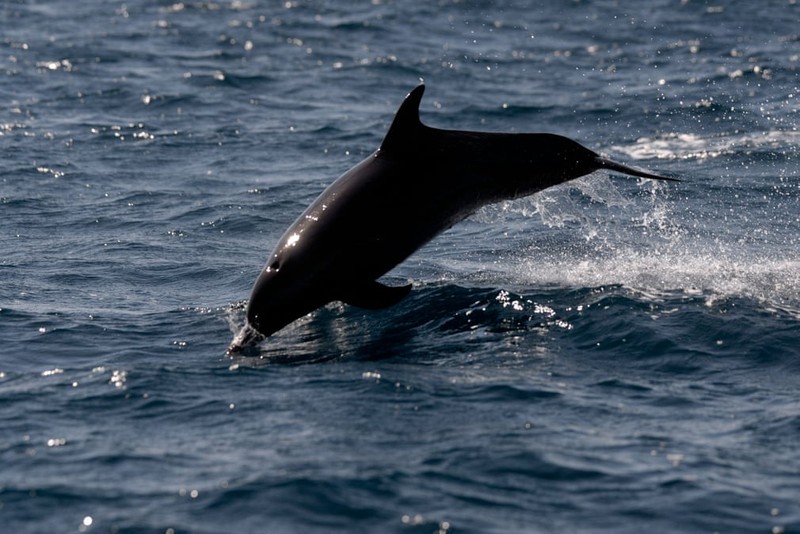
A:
{"x":420,"y":182}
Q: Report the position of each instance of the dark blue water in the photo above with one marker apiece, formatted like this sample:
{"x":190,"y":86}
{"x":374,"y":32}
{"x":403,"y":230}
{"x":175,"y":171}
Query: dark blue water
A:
{"x":611,"y":355}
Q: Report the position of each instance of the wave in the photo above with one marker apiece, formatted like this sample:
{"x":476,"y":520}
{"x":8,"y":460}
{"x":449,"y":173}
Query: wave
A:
{"x":440,"y":323}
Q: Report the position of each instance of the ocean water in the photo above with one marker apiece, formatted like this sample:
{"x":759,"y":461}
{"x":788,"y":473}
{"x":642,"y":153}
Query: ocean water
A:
{"x":610,"y":355}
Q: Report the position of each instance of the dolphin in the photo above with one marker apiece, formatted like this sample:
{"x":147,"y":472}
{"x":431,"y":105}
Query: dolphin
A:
{"x":420,"y":182}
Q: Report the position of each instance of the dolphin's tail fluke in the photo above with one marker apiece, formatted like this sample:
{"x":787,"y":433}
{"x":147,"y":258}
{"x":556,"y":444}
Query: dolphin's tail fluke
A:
{"x":607,"y":164}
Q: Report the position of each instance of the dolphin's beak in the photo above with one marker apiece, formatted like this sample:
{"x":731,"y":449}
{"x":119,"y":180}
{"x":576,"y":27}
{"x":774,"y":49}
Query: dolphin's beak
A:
{"x":247,"y":338}
{"x":607,"y":164}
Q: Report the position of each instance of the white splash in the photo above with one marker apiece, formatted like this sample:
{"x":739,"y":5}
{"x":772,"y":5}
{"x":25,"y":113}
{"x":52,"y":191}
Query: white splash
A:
{"x":677,"y":145}
{"x":605,"y":233}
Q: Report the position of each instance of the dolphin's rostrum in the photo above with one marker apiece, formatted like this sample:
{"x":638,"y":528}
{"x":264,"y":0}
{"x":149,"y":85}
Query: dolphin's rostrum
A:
{"x":420,"y":182}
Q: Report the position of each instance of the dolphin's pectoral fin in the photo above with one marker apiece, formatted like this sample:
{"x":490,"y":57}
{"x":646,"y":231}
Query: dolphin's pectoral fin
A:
{"x":374,"y":295}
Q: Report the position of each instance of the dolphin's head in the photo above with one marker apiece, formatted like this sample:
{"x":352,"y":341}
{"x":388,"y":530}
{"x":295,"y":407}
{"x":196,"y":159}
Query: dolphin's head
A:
{"x":280,"y":296}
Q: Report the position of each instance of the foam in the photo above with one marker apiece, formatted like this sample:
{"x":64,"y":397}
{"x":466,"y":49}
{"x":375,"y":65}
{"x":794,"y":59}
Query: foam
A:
{"x":678,"y":145}
{"x":603,"y":236}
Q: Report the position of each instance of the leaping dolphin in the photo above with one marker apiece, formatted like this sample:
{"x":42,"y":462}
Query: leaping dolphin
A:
{"x":420,"y":182}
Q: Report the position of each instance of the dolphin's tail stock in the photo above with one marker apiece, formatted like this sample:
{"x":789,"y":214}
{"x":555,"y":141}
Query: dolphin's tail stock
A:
{"x":603,"y":163}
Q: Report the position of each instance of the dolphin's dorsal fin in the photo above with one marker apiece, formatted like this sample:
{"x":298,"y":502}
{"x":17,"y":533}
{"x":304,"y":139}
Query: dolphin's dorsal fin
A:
{"x":374,"y":296}
{"x":406,"y":121}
